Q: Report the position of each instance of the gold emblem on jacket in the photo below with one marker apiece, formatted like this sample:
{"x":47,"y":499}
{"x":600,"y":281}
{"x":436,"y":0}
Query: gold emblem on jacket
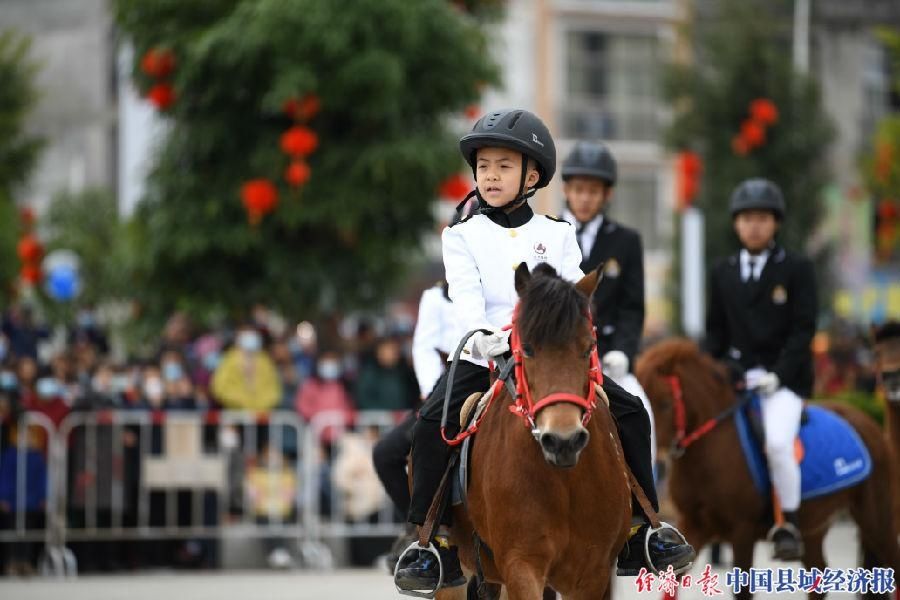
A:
{"x":779,"y":294}
{"x":612,"y":269}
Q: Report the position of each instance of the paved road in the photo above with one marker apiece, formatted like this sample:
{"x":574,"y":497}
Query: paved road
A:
{"x":841,"y":549}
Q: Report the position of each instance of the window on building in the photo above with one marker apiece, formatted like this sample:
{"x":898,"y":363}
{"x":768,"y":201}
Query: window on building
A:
{"x":611,"y":86}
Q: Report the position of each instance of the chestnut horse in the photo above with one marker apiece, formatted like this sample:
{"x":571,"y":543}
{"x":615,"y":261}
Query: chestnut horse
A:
{"x":887,"y":360}
{"x":551,"y":516}
{"x":709,"y":484}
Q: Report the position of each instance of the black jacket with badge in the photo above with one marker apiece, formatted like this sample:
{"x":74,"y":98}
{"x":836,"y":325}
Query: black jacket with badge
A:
{"x":618,"y":308}
{"x":769,"y":323}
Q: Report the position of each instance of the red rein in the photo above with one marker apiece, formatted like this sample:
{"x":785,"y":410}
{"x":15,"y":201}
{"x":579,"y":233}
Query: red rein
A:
{"x":682,"y":438}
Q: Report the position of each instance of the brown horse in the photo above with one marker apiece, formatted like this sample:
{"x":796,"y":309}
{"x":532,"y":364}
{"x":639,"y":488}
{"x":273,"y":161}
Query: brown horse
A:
{"x":552,"y":504}
{"x":709,"y":484}
{"x":887,"y":361}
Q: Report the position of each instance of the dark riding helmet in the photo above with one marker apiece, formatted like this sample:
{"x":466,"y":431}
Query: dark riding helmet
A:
{"x":518,"y":130}
{"x":757,"y":194}
{"x":590,"y":159}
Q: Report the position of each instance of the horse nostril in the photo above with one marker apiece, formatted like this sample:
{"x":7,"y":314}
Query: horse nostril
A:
{"x":550,"y":442}
{"x":581,"y":440}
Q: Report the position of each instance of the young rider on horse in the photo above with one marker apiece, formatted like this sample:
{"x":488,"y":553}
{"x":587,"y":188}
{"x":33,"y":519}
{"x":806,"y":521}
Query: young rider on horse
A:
{"x":589,"y":174}
{"x":512,"y":155}
{"x":761,"y":319}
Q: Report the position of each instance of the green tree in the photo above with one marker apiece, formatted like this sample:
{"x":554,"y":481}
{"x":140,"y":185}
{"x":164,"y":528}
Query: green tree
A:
{"x":18,"y":149}
{"x":741,"y":54}
{"x":388,"y":74}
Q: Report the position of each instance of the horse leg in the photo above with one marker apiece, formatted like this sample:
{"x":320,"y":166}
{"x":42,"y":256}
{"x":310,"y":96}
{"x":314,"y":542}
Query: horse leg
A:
{"x":871,"y":510}
{"x":742,"y":545}
{"x":814,"y":555}
{"x":695,"y":536}
{"x":523,"y":581}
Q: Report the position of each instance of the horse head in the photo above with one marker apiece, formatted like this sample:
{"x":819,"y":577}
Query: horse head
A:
{"x":685,"y":387}
{"x":554,"y":344}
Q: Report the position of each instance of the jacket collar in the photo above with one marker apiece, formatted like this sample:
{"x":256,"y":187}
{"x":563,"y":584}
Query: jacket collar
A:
{"x":516,"y":218}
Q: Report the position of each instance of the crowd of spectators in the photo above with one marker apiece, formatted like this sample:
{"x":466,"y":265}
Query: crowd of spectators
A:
{"x":261,"y":364}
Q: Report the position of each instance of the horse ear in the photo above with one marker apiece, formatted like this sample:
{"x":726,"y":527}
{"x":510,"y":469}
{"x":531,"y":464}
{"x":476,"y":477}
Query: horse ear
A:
{"x":589,"y":282}
{"x":523,"y":276}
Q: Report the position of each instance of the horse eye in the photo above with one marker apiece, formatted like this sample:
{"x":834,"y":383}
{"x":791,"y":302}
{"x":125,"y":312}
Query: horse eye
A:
{"x":590,"y":349}
{"x":528,"y":350}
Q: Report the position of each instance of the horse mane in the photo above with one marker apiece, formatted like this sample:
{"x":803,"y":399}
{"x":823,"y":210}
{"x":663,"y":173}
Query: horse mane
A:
{"x":552,"y":311}
{"x":684,"y":358}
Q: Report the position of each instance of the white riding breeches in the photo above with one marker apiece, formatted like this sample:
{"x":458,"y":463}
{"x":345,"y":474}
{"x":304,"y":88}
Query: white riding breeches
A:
{"x":781,"y":413}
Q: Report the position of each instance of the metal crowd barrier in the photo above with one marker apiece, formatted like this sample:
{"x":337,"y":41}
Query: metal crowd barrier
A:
{"x":337,"y":522}
{"x":151,"y":475}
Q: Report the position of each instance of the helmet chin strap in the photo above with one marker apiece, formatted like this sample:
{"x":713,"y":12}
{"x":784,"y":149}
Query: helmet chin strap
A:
{"x":521,"y":197}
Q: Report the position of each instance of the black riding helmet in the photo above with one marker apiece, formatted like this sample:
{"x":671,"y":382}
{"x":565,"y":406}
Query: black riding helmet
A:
{"x":757,"y":194}
{"x":518,"y":130}
{"x":590,"y":159}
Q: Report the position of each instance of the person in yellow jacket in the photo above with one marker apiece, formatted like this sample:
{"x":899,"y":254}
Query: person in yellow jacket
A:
{"x":247,"y":378}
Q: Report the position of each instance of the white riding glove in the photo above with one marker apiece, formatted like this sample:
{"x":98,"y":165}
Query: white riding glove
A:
{"x":615,"y":364}
{"x":765,"y":382}
{"x":489,"y":346}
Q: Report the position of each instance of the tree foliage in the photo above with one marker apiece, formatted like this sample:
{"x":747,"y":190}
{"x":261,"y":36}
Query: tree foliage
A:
{"x":739,"y":57}
{"x":390,"y":74}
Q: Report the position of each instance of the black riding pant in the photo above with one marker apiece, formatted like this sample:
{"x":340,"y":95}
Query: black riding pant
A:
{"x":430,"y":454}
{"x":390,"y":455}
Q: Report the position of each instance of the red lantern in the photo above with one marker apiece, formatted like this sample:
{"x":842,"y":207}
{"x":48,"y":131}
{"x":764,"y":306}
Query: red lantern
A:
{"x":455,"y":188}
{"x":162,"y":96}
{"x":29,"y":249}
{"x":688,"y":166}
{"x":473,"y":111}
{"x":309,"y":107}
{"x":763,"y":111}
{"x":887,"y":210}
{"x":297,"y":173}
{"x":259,"y":197}
{"x":158,"y":63}
{"x":753,"y":133}
{"x":31,"y":274}
{"x":299,"y":141}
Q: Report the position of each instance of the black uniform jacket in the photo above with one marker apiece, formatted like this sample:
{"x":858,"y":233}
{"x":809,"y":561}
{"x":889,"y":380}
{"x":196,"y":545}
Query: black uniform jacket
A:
{"x":618,"y":307}
{"x":769,"y":323}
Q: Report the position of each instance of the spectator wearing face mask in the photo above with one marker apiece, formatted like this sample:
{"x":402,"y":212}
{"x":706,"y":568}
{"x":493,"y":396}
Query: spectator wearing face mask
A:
{"x":48,"y":398}
{"x":325,"y":391}
{"x":152,"y":387}
{"x":179,"y":390}
{"x":247,"y":378}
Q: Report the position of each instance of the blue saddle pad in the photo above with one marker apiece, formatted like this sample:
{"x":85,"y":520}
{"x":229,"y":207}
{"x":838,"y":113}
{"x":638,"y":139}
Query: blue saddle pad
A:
{"x":834,"y":456}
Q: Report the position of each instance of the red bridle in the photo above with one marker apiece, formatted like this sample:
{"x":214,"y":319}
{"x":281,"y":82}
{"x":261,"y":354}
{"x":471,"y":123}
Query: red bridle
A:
{"x":524,"y":404}
{"x":682,"y":438}
{"x":526,"y":407}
